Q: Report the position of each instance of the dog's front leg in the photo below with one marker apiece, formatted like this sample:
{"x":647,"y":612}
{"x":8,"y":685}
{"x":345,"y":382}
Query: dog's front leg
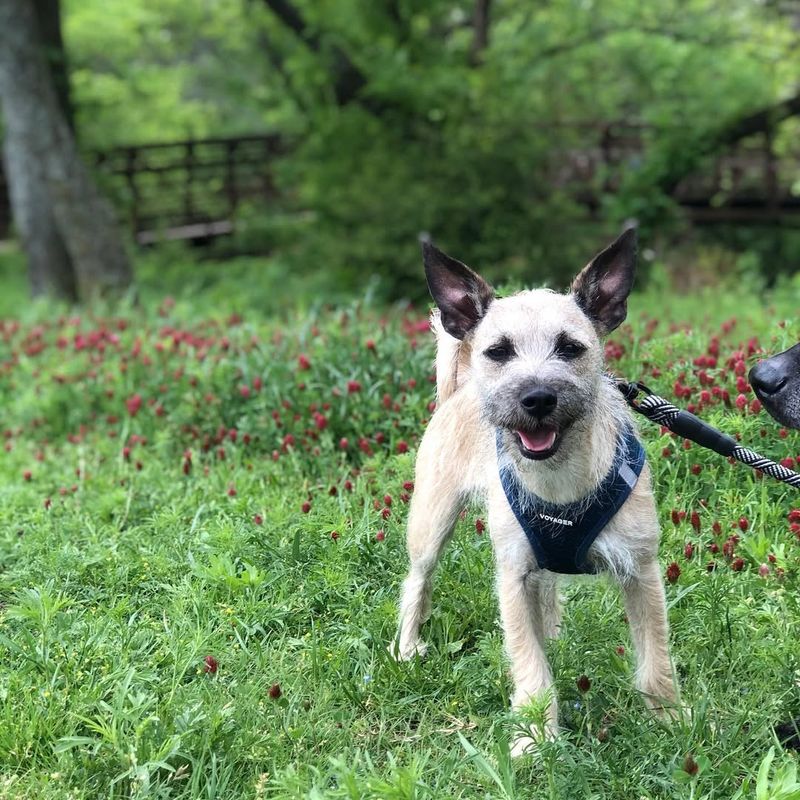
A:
{"x":522,"y":615}
{"x":647,"y":614}
{"x":434,"y":508}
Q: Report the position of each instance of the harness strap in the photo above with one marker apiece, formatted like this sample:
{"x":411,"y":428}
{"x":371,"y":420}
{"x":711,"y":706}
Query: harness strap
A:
{"x":561,"y":535}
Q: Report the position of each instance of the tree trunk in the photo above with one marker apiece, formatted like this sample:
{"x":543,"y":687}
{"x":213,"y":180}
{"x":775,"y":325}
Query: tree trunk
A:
{"x":49,"y":267}
{"x":48,"y":18}
{"x":47,"y":165}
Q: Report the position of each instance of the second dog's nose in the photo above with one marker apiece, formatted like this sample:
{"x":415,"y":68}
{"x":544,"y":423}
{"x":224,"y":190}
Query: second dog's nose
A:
{"x":539,"y":402}
{"x":766,"y":378}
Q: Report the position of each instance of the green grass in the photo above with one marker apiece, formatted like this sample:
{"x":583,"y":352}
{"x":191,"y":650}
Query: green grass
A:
{"x":122,"y":570}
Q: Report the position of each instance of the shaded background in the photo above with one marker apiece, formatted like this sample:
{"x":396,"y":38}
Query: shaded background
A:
{"x":321,"y":140}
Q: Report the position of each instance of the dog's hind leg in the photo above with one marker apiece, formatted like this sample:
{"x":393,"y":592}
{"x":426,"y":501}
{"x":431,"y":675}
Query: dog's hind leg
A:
{"x":438,"y":498}
{"x":647,"y":614}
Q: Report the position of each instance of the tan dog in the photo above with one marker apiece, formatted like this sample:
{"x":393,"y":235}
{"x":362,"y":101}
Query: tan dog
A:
{"x":521,"y":388}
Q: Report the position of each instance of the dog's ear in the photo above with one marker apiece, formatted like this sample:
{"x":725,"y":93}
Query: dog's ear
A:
{"x":461,"y":294}
{"x":602,"y":287}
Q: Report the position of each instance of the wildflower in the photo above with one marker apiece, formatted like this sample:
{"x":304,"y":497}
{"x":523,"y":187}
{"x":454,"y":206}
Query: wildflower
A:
{"x":695,"y":520}
{"x":210,"y":665}
{"x":303,"y":361}
{"x":673,"y":572}
{"x":275,"y":691}
{"x":479,"y":526}
{"x":353,"y":387}
{"x":334,"y":535}
{"x":306,"y":507}
{"x":583,"y":683}
{"x":258,"y":519}
{"x":763,"y":570}
{"x":380,"y":536}
{"x":737,"y":565}
{"x":743,"y":523}
{"x":690,"y":766}
{"x":402,"y":446}
{"x":133,"y":404}
{"x":688,"y":551}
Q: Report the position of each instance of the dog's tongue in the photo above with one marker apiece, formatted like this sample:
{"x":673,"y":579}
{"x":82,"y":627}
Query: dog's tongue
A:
{"x":539,"y":441}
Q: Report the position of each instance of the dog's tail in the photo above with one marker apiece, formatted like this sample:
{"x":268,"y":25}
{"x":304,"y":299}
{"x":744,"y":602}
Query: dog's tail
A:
{"x":452,"y":360}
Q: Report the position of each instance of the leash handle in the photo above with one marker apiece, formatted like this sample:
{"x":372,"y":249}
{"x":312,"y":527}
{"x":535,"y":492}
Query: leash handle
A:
{"x":687,"y":425}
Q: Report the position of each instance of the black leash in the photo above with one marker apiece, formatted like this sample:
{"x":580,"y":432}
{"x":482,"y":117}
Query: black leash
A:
{"x":687,"y":425}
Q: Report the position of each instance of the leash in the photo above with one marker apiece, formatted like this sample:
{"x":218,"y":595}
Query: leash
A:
{"x":687,"y":425}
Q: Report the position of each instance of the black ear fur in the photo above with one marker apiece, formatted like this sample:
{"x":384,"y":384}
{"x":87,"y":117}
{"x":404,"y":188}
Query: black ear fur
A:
{"x":461,"y":294}
{"x":602,"y":287}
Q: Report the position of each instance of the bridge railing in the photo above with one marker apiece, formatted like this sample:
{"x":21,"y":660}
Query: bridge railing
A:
{"x":193,"y":188}
{"x":189,"y":187}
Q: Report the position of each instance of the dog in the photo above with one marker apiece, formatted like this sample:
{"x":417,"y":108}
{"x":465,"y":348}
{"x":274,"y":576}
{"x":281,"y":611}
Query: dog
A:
{"x":526,"y":418}
{"x":776,"y":382}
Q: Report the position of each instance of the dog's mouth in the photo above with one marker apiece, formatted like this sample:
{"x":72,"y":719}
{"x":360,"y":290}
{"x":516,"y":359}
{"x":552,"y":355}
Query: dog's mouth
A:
{"x":539,"y":444}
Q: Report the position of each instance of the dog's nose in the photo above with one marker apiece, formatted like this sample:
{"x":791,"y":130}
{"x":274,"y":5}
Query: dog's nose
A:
{"x":539,"y":402}
{"x":766,"y":378}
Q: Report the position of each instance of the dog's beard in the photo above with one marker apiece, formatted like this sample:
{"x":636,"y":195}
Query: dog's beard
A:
{"x":532,"y":439}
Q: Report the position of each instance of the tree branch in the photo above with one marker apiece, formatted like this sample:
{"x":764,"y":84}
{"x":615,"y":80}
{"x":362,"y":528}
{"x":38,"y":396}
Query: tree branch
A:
{"x":481,"y":23}
{"x":348,"y":79}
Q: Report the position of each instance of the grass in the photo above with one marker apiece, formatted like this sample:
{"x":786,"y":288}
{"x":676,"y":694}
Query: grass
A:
{"x":197,"y":603}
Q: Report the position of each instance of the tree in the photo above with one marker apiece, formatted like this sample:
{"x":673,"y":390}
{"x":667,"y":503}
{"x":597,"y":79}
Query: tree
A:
{"x":68,"y":231}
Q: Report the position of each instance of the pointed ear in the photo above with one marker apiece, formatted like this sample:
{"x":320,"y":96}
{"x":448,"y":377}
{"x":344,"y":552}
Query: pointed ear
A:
{"x":461,"y":294}
{"x":602,"y":288}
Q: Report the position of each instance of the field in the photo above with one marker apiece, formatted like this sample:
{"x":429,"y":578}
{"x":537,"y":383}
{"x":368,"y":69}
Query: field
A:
{"x":203,"y":504}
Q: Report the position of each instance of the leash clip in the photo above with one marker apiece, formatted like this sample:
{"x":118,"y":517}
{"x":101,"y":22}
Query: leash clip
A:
{"x":631,"y":391}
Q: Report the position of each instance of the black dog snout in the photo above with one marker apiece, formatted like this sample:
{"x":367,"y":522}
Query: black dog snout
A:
{"x":767,"y":379}
{"x":539,"y":402}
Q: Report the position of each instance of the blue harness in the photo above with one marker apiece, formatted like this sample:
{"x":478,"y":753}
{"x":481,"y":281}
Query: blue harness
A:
{"x":561,"y":535}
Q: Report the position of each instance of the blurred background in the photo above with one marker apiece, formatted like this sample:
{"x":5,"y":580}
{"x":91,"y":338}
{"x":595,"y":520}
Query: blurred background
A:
{"x":304,"y":147}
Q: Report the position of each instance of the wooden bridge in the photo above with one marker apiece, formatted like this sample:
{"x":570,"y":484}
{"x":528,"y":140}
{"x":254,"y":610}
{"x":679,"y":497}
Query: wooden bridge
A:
{"x":194,"y":189}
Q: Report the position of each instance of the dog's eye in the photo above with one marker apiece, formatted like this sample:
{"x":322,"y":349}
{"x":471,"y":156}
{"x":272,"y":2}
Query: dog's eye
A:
{"x":500,"y":352}
{"x":568,"y":349}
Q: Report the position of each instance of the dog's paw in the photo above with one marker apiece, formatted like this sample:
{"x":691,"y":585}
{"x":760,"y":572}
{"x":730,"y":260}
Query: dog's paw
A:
{"x":405,"y":651}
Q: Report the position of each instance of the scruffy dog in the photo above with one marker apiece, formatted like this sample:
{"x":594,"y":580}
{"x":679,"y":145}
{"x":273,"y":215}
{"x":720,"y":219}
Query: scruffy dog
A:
{"x":527,"y":420}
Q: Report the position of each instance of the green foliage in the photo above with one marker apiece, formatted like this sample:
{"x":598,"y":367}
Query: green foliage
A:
{"x":465,"y":148}
{"x":127,"y":561}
